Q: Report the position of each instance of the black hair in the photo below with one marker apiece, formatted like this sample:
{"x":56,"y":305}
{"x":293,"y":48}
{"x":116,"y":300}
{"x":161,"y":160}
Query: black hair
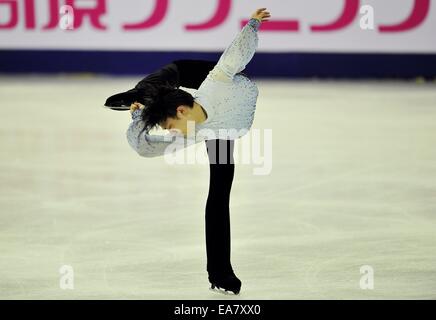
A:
{"x":161,"y":103}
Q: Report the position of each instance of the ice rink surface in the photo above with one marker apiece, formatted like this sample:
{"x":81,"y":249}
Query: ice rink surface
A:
{"x":353,"y":183}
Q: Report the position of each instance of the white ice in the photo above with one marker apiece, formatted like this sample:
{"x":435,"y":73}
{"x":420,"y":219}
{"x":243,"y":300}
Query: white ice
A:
{"x":353,"y":183}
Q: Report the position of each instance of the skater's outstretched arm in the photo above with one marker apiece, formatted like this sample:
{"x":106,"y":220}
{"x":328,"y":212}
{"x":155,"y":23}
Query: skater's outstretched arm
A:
{"x":239,"y":53}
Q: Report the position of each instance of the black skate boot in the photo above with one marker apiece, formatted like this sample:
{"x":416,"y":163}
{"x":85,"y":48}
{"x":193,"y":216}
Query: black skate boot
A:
{"x":226,"y":282}
{"x":122,"y":101}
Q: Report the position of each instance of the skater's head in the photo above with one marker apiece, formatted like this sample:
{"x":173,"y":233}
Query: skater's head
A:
{"x":171,"y":109}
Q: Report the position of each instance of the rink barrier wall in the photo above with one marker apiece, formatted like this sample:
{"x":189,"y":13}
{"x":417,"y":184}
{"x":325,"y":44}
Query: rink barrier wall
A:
{"x":263,"y":65}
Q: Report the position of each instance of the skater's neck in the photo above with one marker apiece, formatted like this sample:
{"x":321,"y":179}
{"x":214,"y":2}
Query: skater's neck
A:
{"x":199,"y":114}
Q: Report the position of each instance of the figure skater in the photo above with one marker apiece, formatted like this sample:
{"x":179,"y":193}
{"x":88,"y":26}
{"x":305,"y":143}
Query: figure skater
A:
{"x":225,"y":98}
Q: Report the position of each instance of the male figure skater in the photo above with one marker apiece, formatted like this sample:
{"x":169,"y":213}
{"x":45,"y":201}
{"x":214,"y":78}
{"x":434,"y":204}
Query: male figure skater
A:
{"x":225,"y":99}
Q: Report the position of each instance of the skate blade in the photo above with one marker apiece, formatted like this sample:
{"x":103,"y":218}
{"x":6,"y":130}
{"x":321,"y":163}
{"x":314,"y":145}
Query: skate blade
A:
{"x":222,"y":291}
{"x":120,"y":108}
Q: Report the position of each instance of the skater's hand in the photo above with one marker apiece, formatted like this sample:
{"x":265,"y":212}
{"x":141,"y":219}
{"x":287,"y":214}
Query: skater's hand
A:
{"x":261,"y":15}
{"x":136,"y":105}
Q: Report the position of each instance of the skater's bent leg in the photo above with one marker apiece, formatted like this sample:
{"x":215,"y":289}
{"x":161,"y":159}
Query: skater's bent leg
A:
{"x":192,"y":73}
{"x":185,"y":73}
{"x":217,"y":206}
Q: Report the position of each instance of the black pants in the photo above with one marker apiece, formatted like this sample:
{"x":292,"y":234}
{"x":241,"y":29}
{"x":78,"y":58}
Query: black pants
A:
{"x":222,"y":169}
{"x":221,"y":163}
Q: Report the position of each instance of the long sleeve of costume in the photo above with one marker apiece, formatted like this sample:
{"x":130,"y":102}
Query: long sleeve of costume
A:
{"x":147,"y":145}
{"x":238,"y":54}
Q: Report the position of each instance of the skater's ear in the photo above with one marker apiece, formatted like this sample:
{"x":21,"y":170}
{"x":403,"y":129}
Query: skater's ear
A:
{"x":183,"y":108}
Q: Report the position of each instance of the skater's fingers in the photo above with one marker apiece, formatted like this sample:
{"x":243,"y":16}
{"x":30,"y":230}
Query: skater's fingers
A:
{"x":261,"y":14}
{"x":133,"y":107}
{"x":139,"y":105}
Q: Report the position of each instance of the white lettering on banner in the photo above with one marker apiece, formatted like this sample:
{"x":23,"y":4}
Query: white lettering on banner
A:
{"x":300,"y":25}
